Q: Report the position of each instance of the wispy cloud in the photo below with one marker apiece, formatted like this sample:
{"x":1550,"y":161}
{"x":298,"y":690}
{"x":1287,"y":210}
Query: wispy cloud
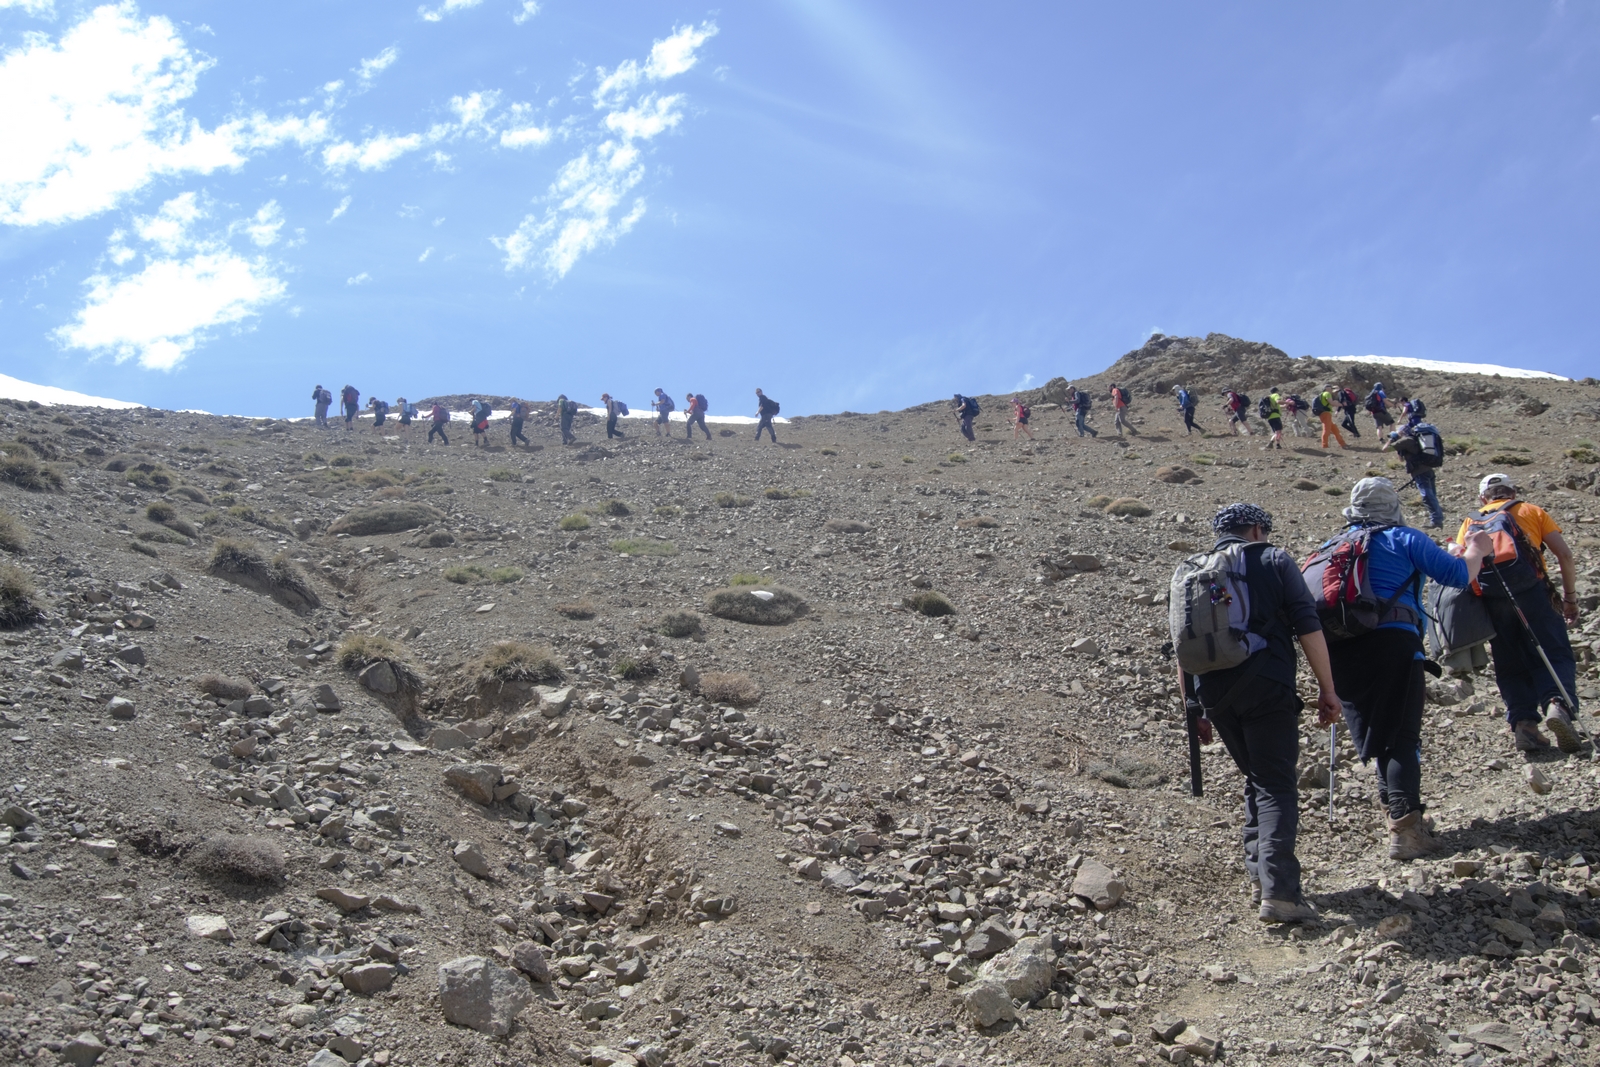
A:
{"x":375,"y":153}
{"x":344,"y":205}
{"x":371,"y":68}
{"x":360,"y":279}
{"x":588,"y":206}
{"x":426,"y":252}
{"x":189,"y":285}
{"x":528,"y":9}
{"x":1025,"y":383}
{"x":449,"y":7}
{"x":95,"y":117}
{"x":31,"y":7}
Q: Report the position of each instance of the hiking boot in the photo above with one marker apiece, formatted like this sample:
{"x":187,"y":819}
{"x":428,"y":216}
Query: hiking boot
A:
{"x":1409,"y":838}
{"x":1559,"y":723}
{"x":1527,"y":737}
{"x":1287,"y":911}
{"x":1255,"y":891}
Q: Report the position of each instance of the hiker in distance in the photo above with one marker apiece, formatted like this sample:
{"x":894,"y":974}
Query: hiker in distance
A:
{"x":519,"y":416}
{"x":1377,"y":405}
{"x":1238,"y":407}
{"x":350,"y":398}
{"x":1081,"y":405}
{"x":766,"y":408}
{"x":966,"y":410}
{"x":1121,"y":398}
{"x":1297,"y":409}
{"x":380,"y":413}
{"x":322,"y":398}
{"x":565,"y":410}
{"x":1421,"y":447}
{"x":1516,"y":578}
{"x":1323,"y":408}
{"x":1021,"y":413}
{"x":615,"y":409}
{"x":1374,"y":640}
{"x":405,"y":411}
{"x":480,"y":422}
{"x":1186,"y":403}
{"x":439,"y":416}
{"x":1272,"y":411}
{"x":1347,"y":404}
{"x":696,"y":413}
{"x":664,"y":408}
{"x":1235,"y":615}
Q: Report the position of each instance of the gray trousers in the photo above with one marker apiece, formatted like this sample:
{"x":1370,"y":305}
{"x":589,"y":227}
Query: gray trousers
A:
{"x":1261,"y":731}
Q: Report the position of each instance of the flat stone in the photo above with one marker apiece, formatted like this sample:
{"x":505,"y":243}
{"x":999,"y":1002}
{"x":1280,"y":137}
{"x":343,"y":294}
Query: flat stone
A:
{"x":528,"y":957}
{"x":131,"y":654}
{"x":1495,"y":1035}
{"x":444,"y":738}
{"x":83,"y":1050}
{"x":470,"y":858}
{"x":17,"y":816}
{"x":1512,"y":930}
{"x":1025,"y":970}
{"x":1166,"y":1028}
{"x":326,"y":1057}
{"x":71,"y":659}
{"x":987,"y":1003}
{"x":103,"y":847}
{"x":474,"y":992}
{"x":1098,"y":884}
{"x":379,"y":677}
{"x":475,"y":781}
{"x":1538,"y":781}
{"x":323,"y":698}
{"x":990,"y":939}
{"x":344,"y":899}
{"x":210,"y":927}
{"x":369,"y":978}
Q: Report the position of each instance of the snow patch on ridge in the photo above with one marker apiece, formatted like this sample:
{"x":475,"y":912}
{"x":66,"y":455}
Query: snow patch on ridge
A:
{"x":17,"y":389}
{"x":1446,"y":366}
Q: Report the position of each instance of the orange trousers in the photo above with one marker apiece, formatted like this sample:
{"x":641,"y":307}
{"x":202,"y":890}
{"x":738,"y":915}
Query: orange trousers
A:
{"x":1330,"y":430}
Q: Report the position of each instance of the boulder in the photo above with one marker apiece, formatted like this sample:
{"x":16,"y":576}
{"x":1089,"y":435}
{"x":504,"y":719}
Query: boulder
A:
{"x":379,"y":677}
{"x":528,"y":957}
{"x":121,"y":708}
{"x":1025,"y":970}
{"x":1098,"y":884}
{"x":323,"y":698}
{"x":83,"y":1050}
{"x":987,"y":1003}
{"x":369,"y":978}
{"x":475,"y":781}
{"x":444,"y":738}
{"x":990,"y":939}
{"x":470,"y":858}
{"x":475,"y":992}
{"x":211,"y":927}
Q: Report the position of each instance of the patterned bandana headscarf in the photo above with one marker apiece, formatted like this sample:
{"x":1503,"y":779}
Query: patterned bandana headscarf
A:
{"x":1241,"y":517}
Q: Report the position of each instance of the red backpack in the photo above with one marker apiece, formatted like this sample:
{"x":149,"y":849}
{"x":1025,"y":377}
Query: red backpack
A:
{"x":1339,"y":577}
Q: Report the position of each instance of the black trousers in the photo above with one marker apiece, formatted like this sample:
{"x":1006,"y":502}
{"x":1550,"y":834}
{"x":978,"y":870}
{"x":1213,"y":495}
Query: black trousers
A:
{"x":1261,"y":731}
{"x":1189,"y":423}
{"x":437,"y":428}
{"x":516,"y":432}
{"x":766,"y":424}
{"x":1379,"y":678}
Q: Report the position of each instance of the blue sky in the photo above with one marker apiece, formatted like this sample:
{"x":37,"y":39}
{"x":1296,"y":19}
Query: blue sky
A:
{"x":852,"y":204}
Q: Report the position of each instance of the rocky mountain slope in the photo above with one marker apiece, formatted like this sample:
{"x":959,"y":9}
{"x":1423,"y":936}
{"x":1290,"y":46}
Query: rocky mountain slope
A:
{"x":325,"y":747}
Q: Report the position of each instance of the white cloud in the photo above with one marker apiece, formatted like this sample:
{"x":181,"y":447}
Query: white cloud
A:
{"x":1025,"y":383}
{"x":97,"y":116}
{"x":449,"y":7}
{"x":38,"y":7}
{"x":263,"y":227}
{"x":344,"y":205}
{"x":668,"y":59}
{"x":375,"y":153}
{"x":371,"y":68}
{"x":360,"y":279}
{"x":590,"y":205}
{"x":524,"y":137}
{"x":189,"y":286}
{"x":473,"y":109}
{"x":529,"y":9}
{"x":426,"y":252}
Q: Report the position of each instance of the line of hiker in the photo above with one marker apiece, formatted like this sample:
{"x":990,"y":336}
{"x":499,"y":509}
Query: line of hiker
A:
{"x":566,"y":409}
{"x":1360,"y":607}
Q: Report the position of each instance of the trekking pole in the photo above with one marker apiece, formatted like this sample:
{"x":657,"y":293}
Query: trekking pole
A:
{"x":1333,"y":764}
{"x":1191,"y":722}
{"x":1527,"y":628}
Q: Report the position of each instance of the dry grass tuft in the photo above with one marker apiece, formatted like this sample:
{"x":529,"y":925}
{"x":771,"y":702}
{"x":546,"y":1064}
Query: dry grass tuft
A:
{"x":161,"y":511}
{"x":580,"y":609}
{"x":679,"y":624}
{"x":358,"y":650}
{"x":385,"y":519}
{"x":845,"y":526}
{"x":237,"y":858}
{"x":1175,"y":475}
{"x":777,"y":607}
{"x":745,"y":578}
{"x":25,"y":472}
{"x":244,"y":564}
{"x":575,"y":521}
{"x":732,"y":500}
{"x":224,"y":688}
{"x":615,"y":508}
{"x":930,"y":604}
{"x":17,"y":606}
{"x":1099,"y":503}
{"x":514,"y":661}
{"x":633,"y":668}
{"x":721,"y":687}
{"x":978,"y":522}
{"x":440,"y":539}
{"x":13,"y":538}
{"x":1128,"y":506}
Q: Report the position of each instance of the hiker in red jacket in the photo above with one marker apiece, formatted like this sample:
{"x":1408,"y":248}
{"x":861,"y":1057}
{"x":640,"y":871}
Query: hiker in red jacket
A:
{"x":696,"y":413}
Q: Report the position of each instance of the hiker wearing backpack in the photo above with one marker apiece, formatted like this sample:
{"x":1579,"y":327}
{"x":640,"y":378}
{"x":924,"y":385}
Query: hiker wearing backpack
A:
{"x":439,"y":415}
{"x":1236,"y":612}
{"x":664,"y":409}
{"x":1377,"y":405}
{"x":615,"y":409}
{"x":350,"y":398}
{"x":1272,"y":411}
{"x":1081,"y":405}
{"x":1323,"y":408}
{"x":1186,"y":405}
{"x":1121,"y":398}
{"x":1421,"y":446}
{"x":1021,"y":413}
{"x":480,"y":422}
{"x":519,"y":415}
{"x":966,"y":410}
{"x":322,"y":398}
{"x":405,"y":411}
{"x":1238,"y":408}
{"x":1367,"y":583}
{"x":380,"y":412}
{"x":1348,"y":403}
{"x":696,"y":413}
{"x":766,"y":408}
{"x":1296,"y":407}
{"x":1516,"y":578}
{"x":565,"y":410}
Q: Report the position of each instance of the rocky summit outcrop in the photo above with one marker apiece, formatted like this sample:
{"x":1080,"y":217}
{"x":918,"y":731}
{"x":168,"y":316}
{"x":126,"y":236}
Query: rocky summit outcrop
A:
{"x":860,"y":748}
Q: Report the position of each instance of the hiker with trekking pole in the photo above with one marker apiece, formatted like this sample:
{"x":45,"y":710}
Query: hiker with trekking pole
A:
{"x":1235,"y":614}
{"x":1534,"y":667}
{"x":1421,"y":446}
{"x":1367,"y":583}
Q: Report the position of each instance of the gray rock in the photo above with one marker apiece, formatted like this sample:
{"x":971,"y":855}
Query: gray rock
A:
{"x":1025,"y":970}
{"x":258,"y":706}
{"x":444,"y":738}
{"x":470,"y":858}
{"x":83,"y":1050}
{"x":71,"y":659}
{"x":1085,"y":646}
{"x":211,"y":927}
{"x":990,"y":939}
{"x":323,"y":698}
{"x":133,"y":654}
{"x":18,"y":816}
{"x":343,"y":899}
{"x":121,"y":708}
{"x":1166,"y":1028}
{"x":379,"y":677}
{"x":527,"y":957}
{"x":1098,"y":884}
{"x":1495,"y":1035}
{"x":475,"y":781}
{"x":369,"y":978}
{"x":475,"y":992}
{"x":840,"y":878}
{"x":987,"y":1003}
{"x":327,"y":1058}
{"x":632,"y":972}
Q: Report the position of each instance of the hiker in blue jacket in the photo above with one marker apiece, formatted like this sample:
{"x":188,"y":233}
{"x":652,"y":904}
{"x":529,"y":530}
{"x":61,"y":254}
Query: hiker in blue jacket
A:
{"x":1081,"y":405}
{"x":1186,"y":404}
{"x":966,"y":410}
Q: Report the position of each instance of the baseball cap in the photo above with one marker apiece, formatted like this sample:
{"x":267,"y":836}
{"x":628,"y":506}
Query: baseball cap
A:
{"x":1496,"y":481}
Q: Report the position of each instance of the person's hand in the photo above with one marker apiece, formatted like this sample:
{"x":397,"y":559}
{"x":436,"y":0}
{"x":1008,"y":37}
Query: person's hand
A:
{"x":1202,"y":727}
{"x":1569,"y":610}
{"x":1329,"y":708}
{"x":1479,"y":546}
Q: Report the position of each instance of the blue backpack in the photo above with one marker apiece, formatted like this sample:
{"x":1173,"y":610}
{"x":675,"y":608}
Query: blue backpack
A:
{"x":622,"y":409}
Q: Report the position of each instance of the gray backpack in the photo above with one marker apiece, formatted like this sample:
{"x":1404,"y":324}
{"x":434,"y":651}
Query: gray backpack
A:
{"x":1210,"y":611}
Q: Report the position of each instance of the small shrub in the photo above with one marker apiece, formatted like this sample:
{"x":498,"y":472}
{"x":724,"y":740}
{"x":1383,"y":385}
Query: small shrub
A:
{"x":313,"y":457}
{"x":575,"y":521}
{"x":342,"y":461}
{"x":190,"y":493}
{"x":17,"y":607}
{"x":385,"y":518}
{"x":503,"y":474}
{"x":930,"y":604}
{"x":1333,"y":490}
{"x":908,"y":459}
{"x":1203,"y":459}
{"x":874,"y":464}
{"x":845,"y":526}
{"x":13,"y":538}
{"x":1509,"y":459}
{"x":668,"y":511}
{"x":144,"y":549}
{"x":466,"y":573}
{"x":151,"y":476}
{"x":745,"y":578}
{"x":161,"y":511}
{"x":358,"y":650}
{"x":25,"y":472}
{"x":163,"y":537}
{"x":978,"y":522}
{"x":1306,"y":484}
{"x":224,"y":688}
{"x":742,"y":604}
{"x":830,"y":451}
{"x":956,"y":457}
{"x":247,"y":860}
{"x":615,"y":508}
{"x":244,"y":564}
{"x":1583,"y":454}
{"x":679,"y":624}
{"x":630,"y":668}
{"x":440,"y":539}
{"x":727,"y":687}
{"x":1099,"y":502}
{"x":581,"y":610}
{"x":514,"y":661}
{"x":377,"y":479}
{"x":390,"y":492}
{"x":732,"y":500}
{"x":775,"y":493}
{"x":505,"y":575}
{"x":633,"y":547}
{"x":1128,"y":506}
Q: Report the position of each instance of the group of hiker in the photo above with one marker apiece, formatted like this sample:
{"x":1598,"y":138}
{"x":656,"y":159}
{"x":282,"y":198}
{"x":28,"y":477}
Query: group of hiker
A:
{"x":566,"y":410}
{"x":966,"y":409}
{"x":1358,"y":609}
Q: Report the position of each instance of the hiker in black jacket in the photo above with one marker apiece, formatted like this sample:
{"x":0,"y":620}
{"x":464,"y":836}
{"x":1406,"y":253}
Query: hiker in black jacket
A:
{"x":966,"y":410}
{"x":323,"y":399}
{"x":766,"y":408}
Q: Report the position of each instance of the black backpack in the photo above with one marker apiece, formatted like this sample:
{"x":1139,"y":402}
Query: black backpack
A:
{"x":1244,"y":403}
{"x":1317,"y":406}
{"x":700,"y":398}
{"x":1431,"y":443}
{"x":1374,"y":402}
{"x":769,"y":406}
{"x":1298,"y":402}
{"x":1418,"y":408}
{"x":1264,"y":407}
{"x":970,"y":408}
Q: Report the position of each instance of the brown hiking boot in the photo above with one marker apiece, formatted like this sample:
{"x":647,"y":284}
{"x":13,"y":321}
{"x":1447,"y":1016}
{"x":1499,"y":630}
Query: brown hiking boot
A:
{"x":1559,"y":723}
{"x":1528,"y":738}
{"x":1409,"y":838}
